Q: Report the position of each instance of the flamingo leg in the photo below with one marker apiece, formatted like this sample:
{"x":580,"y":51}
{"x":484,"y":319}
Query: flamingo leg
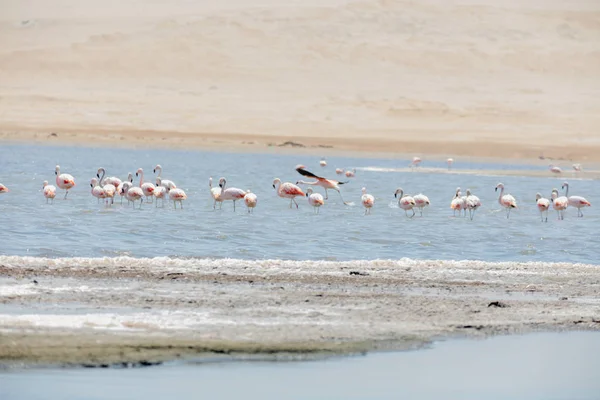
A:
{"x":294,"y":200}
{"x":413,"y":214}
{"x":181,"y":204}
{"x":326,"y":195}
{"x":291,"y":202}
{"x":66,"y":193}
{"x":234,"y":206}
{"x":340,"y":193}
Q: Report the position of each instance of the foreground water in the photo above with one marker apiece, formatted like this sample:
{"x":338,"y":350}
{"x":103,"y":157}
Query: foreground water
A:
{"x":81,"y":227}
{"x":536,"y":366}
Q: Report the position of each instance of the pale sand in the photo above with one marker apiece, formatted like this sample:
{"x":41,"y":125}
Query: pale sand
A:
{"x":249,"y":308}
{"x":443,"y":78}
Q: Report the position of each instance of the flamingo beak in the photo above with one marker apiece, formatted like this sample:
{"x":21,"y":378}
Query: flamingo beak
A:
{"x":136,"y":174}
{"x":495,"y":190}
{"x":55,"y":173}
{"x":91,"y":185}
{"x":97,"y":175}
{"x":154,"y":170}
{"x":395,"y":195}
{"x":273,"y":186}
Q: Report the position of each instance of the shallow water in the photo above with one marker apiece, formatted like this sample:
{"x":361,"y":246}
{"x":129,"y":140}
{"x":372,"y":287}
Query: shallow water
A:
{"x":81,"y":227}
{"x":536,"y":366}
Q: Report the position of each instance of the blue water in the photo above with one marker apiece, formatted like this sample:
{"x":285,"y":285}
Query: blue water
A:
{"x":79,"y":226}
{"x":538,"y":366}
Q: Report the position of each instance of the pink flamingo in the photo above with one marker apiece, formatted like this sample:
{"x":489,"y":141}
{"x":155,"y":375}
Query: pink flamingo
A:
{"x":457,"y":203}
{"x":64,"y":181}
{"x":147,"y":188}
{"x":577,"y":167}
{"x":160,"y":192}
{"x":164,"y":182}
{"x":111,"y":180}
{"x":216,"y":194}
{"x":555,"y":170}
{"x":416,"y":161}
{"x":177,"y":195}
{"x":250,"y":199}
{"x":49,"y":191}
{"x":472,"y":203}
{"x":543,"y":205}
{"x":234,"y":194}
{"x":421,"y":201}
{"x":97,"y":190}
{"x":287,"y":190}
{"x":449,"y":161}
{"x":367,"y":200}
{"x":505,"y":200}
{"x":350,"y":174}
{"x":133,"y":193}
{"x":576,"y":201}
{"x":127,"y":183}
{"x":405,"y":201}
{"x":314,"y":199}
{"x":323,"y":182}
{"x":339,"y":171}
{"x":3,"y":189}
{"x":559,"y":203}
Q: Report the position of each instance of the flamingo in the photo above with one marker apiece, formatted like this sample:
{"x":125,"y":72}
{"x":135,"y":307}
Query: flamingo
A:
{"x":449,"y":161}
{"x":49,"y":191}
{"x":234,"y":194}
{"x":559,"y":203}
{"x":350,"y":174}
{"x":577,"y":167}
{"x":472,"y":203}
{"x":215,"y":193}
{"x":367,"y":200}
{"x":576,"y":201}
{"x":287,"y":190}
{"x":147,"y":188}
{"x":543,"y":205}
{"x":250,"y":199}
{"x":505,"y":200}
{"x":64,"y":181}
{"x":339,"y":171}
{"x":109,"y":187}
{"x":323,"y":163}
{"x":167,"y":184}
{"x":421,"y":201}
{"x":127,"y":183}
{"x":405,"y":201}
{"x":97,"y":190}
{"x":160,"y":192}
{"x":457,"y":203}
{"x":416,"y":161}
{"x":177,"y":195}
{"x":323,"y":182}
{"x":555,"y":169}
{"x":111,"y":180}
{"x":314,"y":199}
{"x":133,"y":193}
{"x":3,"y":189}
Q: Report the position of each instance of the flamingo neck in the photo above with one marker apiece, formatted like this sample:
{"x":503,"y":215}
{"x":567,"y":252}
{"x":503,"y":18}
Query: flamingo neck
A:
{"x":141,"y":178}
{"x":501,"y":193}
{"x":103,"y":173}
{"x":567,"y":192}
{"x":159,"y":169}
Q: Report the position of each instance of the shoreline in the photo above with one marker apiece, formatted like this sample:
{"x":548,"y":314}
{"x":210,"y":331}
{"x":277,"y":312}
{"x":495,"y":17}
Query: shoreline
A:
{"x":148,"y":312}
{"x":523,"y":153}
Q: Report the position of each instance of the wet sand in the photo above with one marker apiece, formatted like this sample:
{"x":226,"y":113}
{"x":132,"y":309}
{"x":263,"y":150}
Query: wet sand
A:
{"x":243,"y":308}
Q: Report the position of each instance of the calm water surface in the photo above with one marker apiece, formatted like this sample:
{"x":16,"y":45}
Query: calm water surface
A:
{"x":81,"y":227}
{"x":537,"y":366}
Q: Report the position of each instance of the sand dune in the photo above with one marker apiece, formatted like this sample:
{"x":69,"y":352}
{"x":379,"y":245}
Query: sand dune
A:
{"x":474,"y":77}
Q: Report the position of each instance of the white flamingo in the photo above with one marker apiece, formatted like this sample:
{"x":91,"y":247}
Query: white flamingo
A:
{"x":49,"y":191}
{"x":405,"y":201}
{"x":367,"y":200}
{"x":133,"y":193}
{"x":323,"y":163}
{"x":543,"y":205}
{"x":109,"y":187}
{"x":167,"y":184}
{"x":450,"y":161}
{"x":147,"y":187}
{"x":160,"y":192}
{"x":215,"y":193}
{"x":472,"y":203}
{"x":505,"y":200}
{"x":251,"y":200}
{"x":314,"y":199}
{"x":64,"y":181}
{"x":234,"y":194}
{"x":457,"y":203}
{"x":287,"y":190}
{"x":421,"y":201}
{"x":559,"y":203}
{"x":555,"y":170}
{"x":416,"y":161}
{"x":576,"y":201}
{"x":339,"y":171}
{"x":128,"y":183}
{"x":97,"y":190}
{"x":177,"y":195}
{"x":351,"y":173}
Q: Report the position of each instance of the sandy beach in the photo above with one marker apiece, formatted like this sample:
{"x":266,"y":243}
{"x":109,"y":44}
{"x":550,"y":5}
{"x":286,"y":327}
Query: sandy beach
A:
{"x":434,"y":78}
{"x":273,"y":307}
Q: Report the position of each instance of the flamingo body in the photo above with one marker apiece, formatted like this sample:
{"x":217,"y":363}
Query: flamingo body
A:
{"x":576,"y":201}
{"x":251,"y":200}
{"x":405,"y":202}
{"x":64,"y":181}
{"x":543,"y":205}
{"x":3,"y":189}
{"x":287,"y":190}
{"x":421,"y":201}
{"x":177,"y":196}
{"x":505,"y":200}
{"x":314,"y":199}
{"x":367,"y":200}
{"x":49,"y":191}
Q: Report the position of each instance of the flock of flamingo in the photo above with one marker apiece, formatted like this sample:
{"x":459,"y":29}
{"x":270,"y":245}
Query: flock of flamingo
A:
{"x":106,"y":188}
